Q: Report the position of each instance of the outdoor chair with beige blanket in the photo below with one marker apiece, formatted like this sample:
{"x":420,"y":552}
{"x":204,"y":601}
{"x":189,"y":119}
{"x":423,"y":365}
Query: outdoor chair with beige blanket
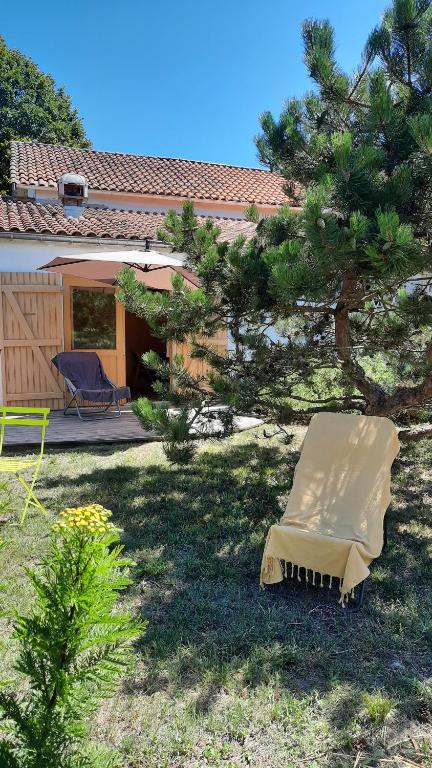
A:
{"x":332,"y":527}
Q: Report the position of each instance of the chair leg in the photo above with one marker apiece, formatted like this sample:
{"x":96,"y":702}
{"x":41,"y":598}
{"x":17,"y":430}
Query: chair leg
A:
{"x":358,"y":604}
{"x":72,"y":401}
{"x":350,"y":606}
{"x":385,"y":533}
{"x":360,"y":599}
{"x":30,"y":497}
{"x":95,"y":414}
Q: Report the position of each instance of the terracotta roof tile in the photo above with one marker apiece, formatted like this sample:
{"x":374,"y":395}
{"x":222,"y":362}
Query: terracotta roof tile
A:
{"x":27,"y":216}
{"x":42,"y":164}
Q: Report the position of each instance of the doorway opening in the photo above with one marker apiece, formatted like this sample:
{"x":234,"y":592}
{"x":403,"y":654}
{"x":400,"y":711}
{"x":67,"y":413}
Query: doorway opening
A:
{"x":139,"y":339}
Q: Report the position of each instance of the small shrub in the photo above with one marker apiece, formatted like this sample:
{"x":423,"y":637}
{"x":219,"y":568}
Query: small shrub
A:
{"x":174,"y":428}
{"x":73,"y":646}
{"x":377,"y":707}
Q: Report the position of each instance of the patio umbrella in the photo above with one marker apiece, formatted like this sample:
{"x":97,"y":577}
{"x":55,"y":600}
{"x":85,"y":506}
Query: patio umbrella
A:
{"x":150,"y":267}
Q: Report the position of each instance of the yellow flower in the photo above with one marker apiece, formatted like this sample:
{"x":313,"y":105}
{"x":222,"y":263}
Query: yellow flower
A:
{"x":93,"y":518}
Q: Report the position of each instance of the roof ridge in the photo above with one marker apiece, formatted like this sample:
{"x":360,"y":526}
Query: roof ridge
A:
{"x":146,"y":157}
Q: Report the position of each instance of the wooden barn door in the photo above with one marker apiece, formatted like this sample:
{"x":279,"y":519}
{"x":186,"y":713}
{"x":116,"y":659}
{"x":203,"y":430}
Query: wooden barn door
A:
{"x":195,"y":366}
{"x":31,"y":333}
{"x":112,"y":353}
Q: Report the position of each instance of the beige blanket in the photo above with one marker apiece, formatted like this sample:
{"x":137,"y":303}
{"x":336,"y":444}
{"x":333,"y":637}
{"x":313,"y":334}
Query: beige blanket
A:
{"x":333,"y":522}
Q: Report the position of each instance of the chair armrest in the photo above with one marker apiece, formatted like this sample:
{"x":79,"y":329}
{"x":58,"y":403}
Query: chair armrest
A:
{"x":108,"y":381}
{"x":71,"y":387}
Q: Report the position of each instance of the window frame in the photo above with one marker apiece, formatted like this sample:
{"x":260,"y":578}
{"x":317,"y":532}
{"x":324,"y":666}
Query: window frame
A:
{"x":109,"y":291}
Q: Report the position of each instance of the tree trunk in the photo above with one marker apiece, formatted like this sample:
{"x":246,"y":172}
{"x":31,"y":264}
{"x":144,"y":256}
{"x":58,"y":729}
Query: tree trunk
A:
{"x":406,"y":397}
{"x":349,"y":300}
{"x":378,"y":402}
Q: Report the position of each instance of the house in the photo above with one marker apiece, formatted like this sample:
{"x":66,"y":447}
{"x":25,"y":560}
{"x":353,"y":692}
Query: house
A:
{"x":68,"y":202}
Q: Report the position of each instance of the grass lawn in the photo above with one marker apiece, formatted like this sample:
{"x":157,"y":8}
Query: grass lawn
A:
{"x":229,"y":675}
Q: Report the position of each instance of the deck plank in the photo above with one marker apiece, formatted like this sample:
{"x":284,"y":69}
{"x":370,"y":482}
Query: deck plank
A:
{"x":70,"y":430}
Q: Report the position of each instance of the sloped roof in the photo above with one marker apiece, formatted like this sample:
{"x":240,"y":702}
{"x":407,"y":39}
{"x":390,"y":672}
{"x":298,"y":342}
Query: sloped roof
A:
{"x":34,"y":164}
{"x":29,"y":217}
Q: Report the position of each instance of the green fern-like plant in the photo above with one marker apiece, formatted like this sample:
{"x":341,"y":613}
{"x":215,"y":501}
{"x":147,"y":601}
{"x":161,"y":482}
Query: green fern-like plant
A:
{"x":73,"y":646}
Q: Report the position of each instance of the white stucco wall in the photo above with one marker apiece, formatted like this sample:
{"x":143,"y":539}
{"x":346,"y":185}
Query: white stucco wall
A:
{"x":27,"y":255}
{"x":131,"y":202}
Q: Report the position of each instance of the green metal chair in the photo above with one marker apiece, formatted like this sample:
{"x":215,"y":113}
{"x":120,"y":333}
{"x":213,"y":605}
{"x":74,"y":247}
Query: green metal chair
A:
{"x":18,"y":416}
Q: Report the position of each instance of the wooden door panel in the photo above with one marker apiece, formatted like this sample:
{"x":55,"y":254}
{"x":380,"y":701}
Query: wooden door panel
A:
{"x":198,"y":367}
{"x":113,"y":360}
{"x":31,"y":333}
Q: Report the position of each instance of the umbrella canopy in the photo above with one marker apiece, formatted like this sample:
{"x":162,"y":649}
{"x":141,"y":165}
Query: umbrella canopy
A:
{"x":150,"y":267}
{"x":141,"y":259}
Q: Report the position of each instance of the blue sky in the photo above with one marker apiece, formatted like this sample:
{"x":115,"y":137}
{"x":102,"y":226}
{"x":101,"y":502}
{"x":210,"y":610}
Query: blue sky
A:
{"x":180,"y":79}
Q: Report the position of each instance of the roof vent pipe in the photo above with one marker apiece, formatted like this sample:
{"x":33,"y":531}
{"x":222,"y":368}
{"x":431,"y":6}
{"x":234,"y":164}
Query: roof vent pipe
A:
{"x":72,"y":193}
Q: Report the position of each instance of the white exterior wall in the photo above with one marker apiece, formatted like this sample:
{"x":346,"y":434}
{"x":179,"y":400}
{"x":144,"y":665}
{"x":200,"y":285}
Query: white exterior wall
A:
{"x":131,"y":202}
{"x":27,"y":255}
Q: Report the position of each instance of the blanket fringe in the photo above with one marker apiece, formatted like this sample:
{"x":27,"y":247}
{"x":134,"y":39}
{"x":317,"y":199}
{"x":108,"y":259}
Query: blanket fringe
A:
{"x":269,"y":568}
{"x":296,"y":572}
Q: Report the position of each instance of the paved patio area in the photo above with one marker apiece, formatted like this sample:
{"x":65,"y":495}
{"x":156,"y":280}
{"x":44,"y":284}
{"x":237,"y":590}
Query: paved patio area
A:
{"x":70,"y":430}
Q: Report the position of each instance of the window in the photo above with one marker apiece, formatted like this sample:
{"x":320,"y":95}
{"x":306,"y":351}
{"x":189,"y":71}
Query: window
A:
{"x":93,"y":318}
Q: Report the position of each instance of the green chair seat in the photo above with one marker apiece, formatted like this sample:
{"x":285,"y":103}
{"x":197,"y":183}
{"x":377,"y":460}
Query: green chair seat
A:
{"x":15,"y":465}
{"x":20,"y":416}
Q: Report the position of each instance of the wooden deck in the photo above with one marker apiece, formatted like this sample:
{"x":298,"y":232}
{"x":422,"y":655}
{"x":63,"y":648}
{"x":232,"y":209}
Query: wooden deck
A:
{"x":70,"y":430}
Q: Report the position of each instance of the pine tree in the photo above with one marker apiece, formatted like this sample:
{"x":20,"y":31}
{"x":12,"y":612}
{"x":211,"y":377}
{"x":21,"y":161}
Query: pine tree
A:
{"x":347,"y":279}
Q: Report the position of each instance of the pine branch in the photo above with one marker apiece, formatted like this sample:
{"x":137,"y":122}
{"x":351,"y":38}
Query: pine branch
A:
{"x":361,"y":74}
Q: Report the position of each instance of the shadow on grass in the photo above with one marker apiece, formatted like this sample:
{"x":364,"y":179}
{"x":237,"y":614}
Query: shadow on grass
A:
{"x":197,"y":534}
{"x":204,"y":522}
